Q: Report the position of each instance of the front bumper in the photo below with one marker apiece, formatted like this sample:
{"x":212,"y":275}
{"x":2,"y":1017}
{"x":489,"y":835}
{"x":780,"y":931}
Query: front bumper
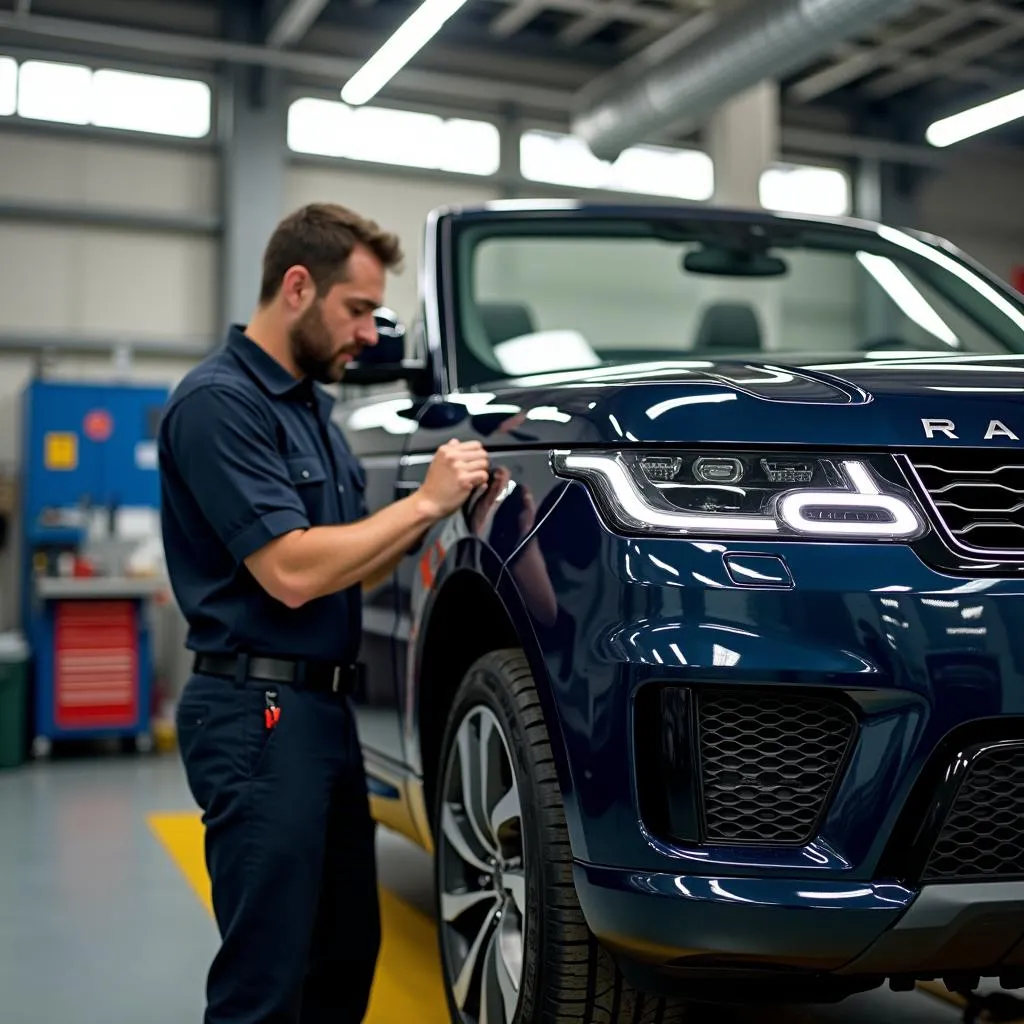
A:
{"x":928,"y":666}
{"x":670,"y":930}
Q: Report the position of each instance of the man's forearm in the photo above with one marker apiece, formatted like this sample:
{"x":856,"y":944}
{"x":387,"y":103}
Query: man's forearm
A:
{"x":307,"y":564}
{"x":383,"y":566}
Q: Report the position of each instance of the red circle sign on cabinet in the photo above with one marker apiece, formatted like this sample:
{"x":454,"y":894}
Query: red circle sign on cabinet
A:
{"x":98,"y":425}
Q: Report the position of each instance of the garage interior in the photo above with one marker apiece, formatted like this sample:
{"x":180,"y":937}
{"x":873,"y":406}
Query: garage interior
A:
{"x":148,"y":148}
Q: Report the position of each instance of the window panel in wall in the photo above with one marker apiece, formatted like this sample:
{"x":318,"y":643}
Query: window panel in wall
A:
{"x":151,"y":103}
{"x":797,"y":188}
{"x":54,"y":92}
{"x":68,"y":93}
{"x":645,"y":170}
{"x":403,"y":138}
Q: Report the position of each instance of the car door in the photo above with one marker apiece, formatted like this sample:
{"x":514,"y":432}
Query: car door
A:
{"x":376,"y":432}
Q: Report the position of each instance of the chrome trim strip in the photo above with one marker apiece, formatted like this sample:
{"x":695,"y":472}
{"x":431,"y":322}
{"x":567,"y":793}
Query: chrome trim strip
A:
{"x":430,"y":298}
{"x":380,"y":461}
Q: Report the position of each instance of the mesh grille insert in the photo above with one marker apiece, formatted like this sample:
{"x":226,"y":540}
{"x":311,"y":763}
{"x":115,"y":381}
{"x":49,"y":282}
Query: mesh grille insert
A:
{"x":768,"y":765}
{"x":983,"y":835}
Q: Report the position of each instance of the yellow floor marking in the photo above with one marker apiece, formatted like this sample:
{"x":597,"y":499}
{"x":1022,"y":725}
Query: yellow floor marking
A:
{"x":939,"y":990}
{"x":182,"y":838}
{"x":408,"y":984}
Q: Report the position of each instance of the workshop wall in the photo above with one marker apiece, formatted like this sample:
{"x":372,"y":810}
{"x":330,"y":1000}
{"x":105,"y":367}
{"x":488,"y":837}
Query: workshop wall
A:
{"x":975,"y":203}
{"x":76,"y":266}
{"x":97,"y":243}
{"x":98,"y":174}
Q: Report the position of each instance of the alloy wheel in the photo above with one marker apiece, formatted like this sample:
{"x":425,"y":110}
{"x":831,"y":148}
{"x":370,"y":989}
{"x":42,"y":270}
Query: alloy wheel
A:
{"x":481,"y":872}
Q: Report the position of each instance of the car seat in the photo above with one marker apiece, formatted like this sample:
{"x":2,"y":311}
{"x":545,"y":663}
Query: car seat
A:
{"x":729,"y":326}
{"x":504,"y":320}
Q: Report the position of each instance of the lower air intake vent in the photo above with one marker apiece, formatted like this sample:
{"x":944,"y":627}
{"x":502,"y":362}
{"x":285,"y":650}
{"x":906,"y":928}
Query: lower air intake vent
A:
{"x":768,"y":765}
{"x":983,"y":835}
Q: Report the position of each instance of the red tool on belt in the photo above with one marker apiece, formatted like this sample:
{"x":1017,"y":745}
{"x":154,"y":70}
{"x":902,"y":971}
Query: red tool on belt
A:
{"x":272,"y":712}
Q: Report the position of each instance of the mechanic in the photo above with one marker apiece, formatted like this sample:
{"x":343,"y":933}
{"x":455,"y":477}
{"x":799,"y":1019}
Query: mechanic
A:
{"x":268,"y":546}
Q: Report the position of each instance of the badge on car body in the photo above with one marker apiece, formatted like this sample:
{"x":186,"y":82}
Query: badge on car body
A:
{"x":996,"y":428}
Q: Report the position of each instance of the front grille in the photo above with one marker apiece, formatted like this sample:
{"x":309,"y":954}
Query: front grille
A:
{"x":768,"y":765}
{"x":983,"y":834}
{"x":978,"y":495}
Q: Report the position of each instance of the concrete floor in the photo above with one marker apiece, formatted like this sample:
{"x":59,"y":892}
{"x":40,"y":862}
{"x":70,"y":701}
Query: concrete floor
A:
{"x":104,"y":913}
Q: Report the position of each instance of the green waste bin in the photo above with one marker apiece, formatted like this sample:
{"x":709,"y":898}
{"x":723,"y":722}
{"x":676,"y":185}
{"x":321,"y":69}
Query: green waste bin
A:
{"x":13,"y":699}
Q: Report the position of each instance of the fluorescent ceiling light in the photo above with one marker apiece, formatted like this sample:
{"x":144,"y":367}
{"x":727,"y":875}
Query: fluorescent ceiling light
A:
{"x":409,"y":38}
{"x":976,"y":120}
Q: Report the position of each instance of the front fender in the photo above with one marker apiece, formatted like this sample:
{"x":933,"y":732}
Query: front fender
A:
{"x":518,"y":610}
{"x":450,"y":551}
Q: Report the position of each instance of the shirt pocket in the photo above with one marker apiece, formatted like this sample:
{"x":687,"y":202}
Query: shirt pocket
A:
{"x":353,"y":490}
{"x":309,"y":478}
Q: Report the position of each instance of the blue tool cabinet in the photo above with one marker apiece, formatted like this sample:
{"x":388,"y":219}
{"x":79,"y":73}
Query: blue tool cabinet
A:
{"x":89,"y":458}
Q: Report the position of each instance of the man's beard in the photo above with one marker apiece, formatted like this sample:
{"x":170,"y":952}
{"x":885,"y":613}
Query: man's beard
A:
{"x":312,"y":349}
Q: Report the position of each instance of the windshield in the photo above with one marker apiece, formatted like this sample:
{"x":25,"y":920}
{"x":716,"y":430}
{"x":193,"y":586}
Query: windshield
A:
{"x":566,"y":292}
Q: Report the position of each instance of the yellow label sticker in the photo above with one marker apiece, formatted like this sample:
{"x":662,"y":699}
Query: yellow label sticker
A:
{"x":60,"y":450}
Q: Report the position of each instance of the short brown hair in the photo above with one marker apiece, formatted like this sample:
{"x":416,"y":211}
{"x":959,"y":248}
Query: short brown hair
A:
{"x":321,"y":237}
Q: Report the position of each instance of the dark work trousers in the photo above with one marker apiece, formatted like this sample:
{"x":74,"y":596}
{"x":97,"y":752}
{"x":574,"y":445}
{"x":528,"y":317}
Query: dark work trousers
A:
{"x":290,"y":852}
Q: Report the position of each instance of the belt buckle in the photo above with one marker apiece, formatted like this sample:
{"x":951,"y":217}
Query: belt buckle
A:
{"x":336,"y":678}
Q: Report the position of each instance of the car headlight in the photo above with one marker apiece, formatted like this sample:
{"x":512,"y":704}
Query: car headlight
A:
{"x":685,"y":493}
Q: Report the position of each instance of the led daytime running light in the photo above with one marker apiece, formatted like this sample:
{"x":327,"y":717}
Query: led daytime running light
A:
{"x":632,"y":510}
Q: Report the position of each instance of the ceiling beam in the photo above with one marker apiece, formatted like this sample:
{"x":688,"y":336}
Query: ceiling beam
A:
{"x":857,"y":61}
{"x":980,"y":10}
{"x":293,"y":21}
{"x":912,"y":71}
{"x":582,"y":28}
{"x":520,"y":13}
{"x":811,"y":142}
{"x":514,"y":18}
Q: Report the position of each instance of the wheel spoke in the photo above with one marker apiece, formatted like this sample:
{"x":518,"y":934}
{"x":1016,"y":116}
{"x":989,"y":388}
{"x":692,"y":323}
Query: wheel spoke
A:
{"x":488,"y":977}
{"x":464,"y":982}
{"x":508,"y":976}
{"x":455,"y":834}
{"x":455,"y":904}
{"x":470,"y":763}
{"x":505,"y":810}
{"x":490,"y":772}
{"x":515,"y":883}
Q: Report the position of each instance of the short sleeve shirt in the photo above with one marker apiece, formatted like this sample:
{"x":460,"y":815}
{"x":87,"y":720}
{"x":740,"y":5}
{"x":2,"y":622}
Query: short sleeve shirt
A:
{"x":247,"y":454}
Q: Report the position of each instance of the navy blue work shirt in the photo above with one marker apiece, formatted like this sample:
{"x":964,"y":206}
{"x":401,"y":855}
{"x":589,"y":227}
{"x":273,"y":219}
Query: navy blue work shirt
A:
{"x":248,"y":453}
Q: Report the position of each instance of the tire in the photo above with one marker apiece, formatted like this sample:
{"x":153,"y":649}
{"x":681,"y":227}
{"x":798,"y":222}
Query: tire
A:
{"x":557,"y":972}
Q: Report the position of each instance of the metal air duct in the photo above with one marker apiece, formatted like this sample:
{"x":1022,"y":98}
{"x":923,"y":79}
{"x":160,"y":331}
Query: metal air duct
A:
{"x":766,"y":39}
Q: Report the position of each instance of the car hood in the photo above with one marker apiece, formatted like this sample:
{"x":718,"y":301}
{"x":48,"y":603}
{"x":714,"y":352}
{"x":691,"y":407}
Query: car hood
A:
{"x":899,"y":401}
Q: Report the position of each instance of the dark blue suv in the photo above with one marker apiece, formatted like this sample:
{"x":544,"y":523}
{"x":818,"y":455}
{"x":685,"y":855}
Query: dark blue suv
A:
{"x":716,"y":691}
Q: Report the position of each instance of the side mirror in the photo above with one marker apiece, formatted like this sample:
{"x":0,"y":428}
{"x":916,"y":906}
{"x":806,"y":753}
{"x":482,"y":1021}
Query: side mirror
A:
{"x":385,"y":361}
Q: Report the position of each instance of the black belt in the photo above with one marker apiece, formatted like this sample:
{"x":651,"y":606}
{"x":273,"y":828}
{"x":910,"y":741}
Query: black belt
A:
{"x":309,"y":675}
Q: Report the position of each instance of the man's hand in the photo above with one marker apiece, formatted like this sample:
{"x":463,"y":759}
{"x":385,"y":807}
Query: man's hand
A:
{"x":308,"y":563}
{"x":457,"y":469}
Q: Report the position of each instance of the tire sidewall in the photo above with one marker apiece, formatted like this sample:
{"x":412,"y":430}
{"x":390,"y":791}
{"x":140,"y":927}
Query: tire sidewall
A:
{"x":486,"y":684}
